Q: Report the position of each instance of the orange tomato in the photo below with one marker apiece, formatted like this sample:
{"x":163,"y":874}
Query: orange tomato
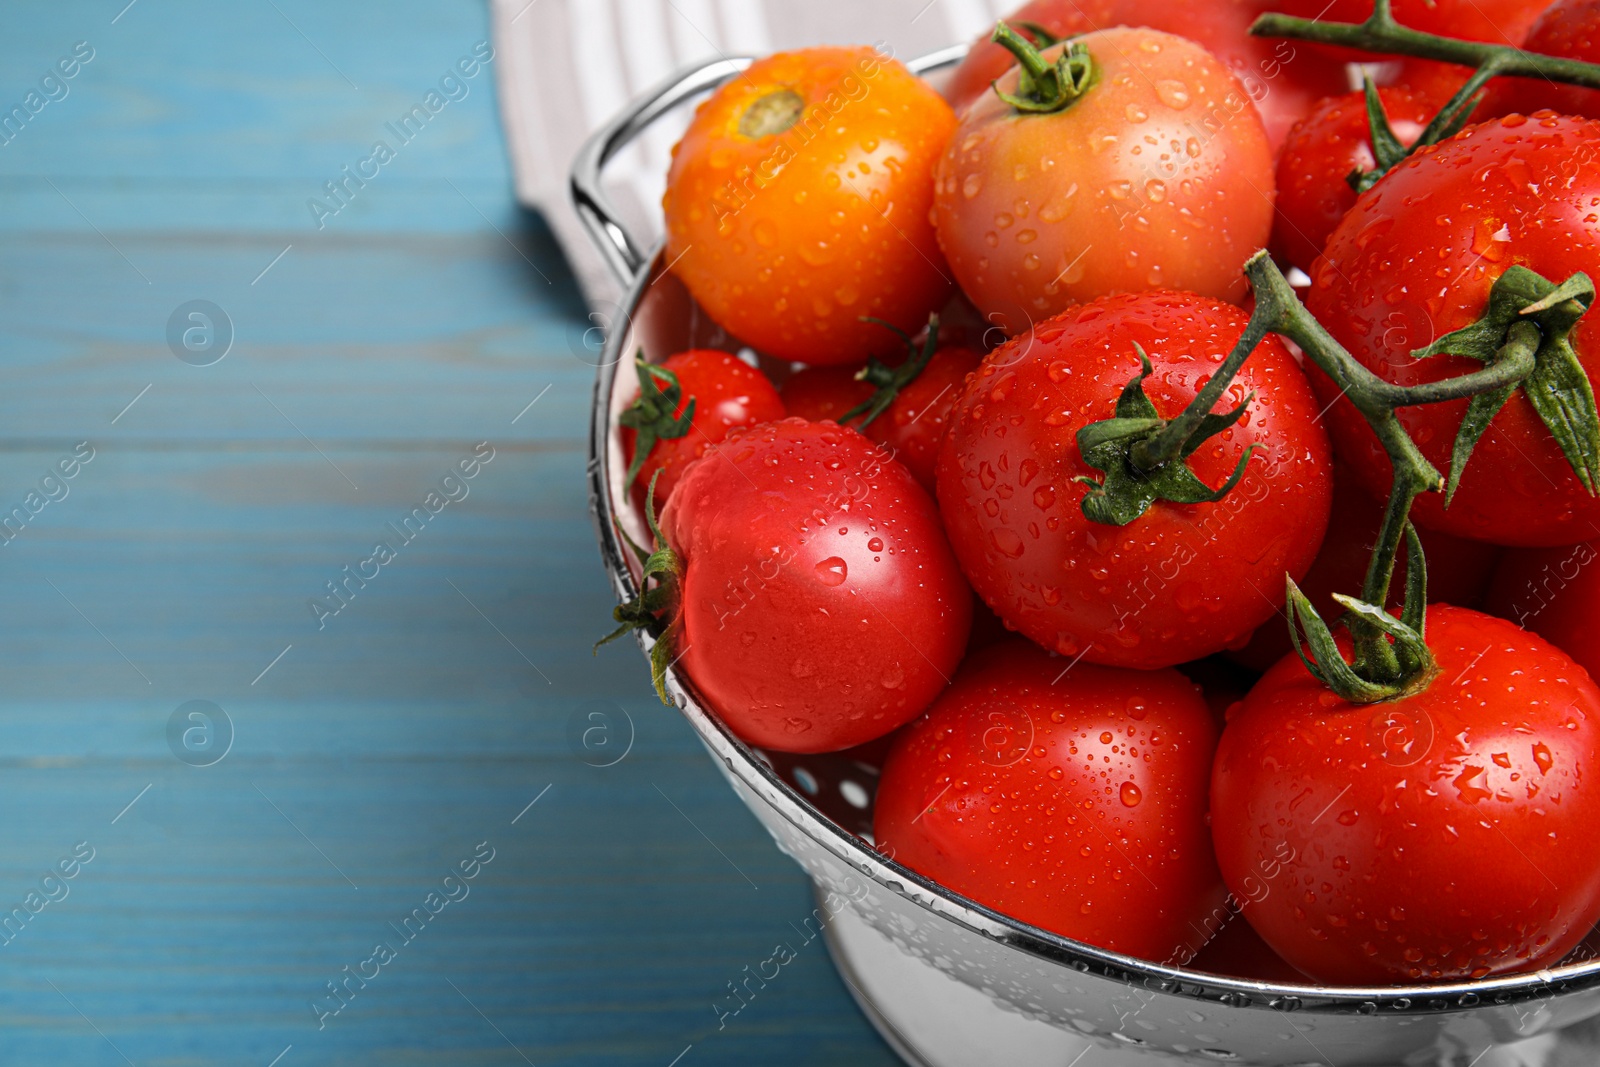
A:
{"x":798,"y":202}
{"x":1159,"y":175}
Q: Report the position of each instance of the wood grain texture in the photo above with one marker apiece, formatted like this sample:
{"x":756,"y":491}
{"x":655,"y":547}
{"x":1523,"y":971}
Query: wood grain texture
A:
{"x":424,"y":716}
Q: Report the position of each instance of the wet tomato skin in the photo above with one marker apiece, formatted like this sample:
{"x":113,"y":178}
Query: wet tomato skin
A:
{"x":787,"y":236}
{"x":1158,"y":176}
{"x":821,"y":607}
{"x":1179,"y":582}
{"x":1415,"y":259}
{"x":1555,"y":592}
{"x":1074,"y":801}
{"x":1321,"y":150}
{"x":727,"y":392}
{"x":1281,"y":78}
{"x":1358,"y":837}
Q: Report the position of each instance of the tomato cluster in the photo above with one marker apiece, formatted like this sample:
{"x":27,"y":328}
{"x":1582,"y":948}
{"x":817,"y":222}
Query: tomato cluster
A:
{"x":1031,"y":469}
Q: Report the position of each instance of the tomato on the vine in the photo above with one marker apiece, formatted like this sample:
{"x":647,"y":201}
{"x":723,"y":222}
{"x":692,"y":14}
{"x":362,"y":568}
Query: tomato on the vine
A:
{"x":1500,"y":22}
{"x":1492,"y":21}
{"x":1417,"y":259}
{"x":726,"y":393}
{"x":1282,"y":79}
{"x":820,"y":604}
{"x":1458,"y":569}
{"x":1319,"y":153}
{"x":798,"y":202}
{"x":1555,"y":592}
{"x":1377,"y":821}
{"x":1069,"y":797}
{"x":1182,"y":580}
{"x":1152,"y":171}
{"x":1569,"y":29}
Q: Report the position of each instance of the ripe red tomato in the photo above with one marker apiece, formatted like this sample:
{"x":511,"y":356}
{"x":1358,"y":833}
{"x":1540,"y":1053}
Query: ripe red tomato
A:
{"x":798,"y":202}
{"x":726,"y":392}
{"x":1321,"y":150}
{"x":1180,"y":581}
{"x":822,"y":394}
{"x":1555,"y":593}
{"x":1158,"y":175}
{"x":1357,"y":836}
{"x":1458,"y":570}
{"x":1282,"y":78}
{"x":1070,"y":798}
{"x":1415,"y":259}
{"x":821,"y":607}
{"x":914,"y":423}
{"x":1567,"y":28}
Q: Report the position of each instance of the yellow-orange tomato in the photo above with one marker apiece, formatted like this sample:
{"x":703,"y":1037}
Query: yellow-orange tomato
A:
{"x":1159,"y":175}
{"x":799,"y":201}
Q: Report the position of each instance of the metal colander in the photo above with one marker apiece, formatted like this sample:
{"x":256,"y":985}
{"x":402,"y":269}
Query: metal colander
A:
{"x":946,"y":980}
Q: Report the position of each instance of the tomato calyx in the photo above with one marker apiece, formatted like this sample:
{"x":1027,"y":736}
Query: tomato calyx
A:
{"x":1388,"y":150}
{"x":1527,"y":313}
{"x":650,"y":416}
{"x":1142,"y":455}
{"x":890,"y":380}
{"x":1409,"y":668}
{"x":1381,"y":34}
{"x":655,"y":609}
{"x":1043,"y":87}
{"x":772,"y":114}
{"x":1530,"y":318}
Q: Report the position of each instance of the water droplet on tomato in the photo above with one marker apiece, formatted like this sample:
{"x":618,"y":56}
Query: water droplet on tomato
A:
{"x":1173,"y":93}
{"x":1131,"y":795}
{"x":832,"y":571}
{"x":1007,"y":542}
{"x":1542,"y":757}
{"x":875,"y":545}
{"x":972,"y":185}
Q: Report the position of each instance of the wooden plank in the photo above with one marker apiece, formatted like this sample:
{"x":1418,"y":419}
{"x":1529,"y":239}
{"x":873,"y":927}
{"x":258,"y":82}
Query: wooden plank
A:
{"x":369,"y":358}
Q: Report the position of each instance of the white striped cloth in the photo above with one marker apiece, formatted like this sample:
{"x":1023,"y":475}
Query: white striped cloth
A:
{"x":566,"y":66}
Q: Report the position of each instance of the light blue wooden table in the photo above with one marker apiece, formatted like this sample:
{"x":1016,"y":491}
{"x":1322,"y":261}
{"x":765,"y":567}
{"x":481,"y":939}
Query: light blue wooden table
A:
{"x":375,"y":749}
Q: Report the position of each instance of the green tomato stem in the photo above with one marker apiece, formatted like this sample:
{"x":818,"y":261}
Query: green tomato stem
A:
{"x":1044,"y":87}
{"x":1381,"y":33}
